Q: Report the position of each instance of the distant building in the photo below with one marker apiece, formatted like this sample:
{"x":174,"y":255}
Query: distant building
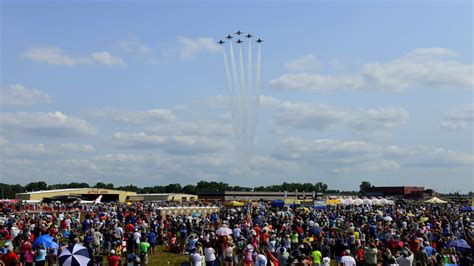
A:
{"x":252,"y":195}
{"x":108,"y":195}
{"x":399,"y":192}
{"x":162,"y":197}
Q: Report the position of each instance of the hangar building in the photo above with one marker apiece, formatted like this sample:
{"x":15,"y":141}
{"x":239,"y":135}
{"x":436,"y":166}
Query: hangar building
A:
{"x":162,"y":197}
{"x":83,"y":193}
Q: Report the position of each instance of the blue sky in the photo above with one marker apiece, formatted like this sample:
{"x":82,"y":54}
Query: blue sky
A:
{"x":136,"y":91}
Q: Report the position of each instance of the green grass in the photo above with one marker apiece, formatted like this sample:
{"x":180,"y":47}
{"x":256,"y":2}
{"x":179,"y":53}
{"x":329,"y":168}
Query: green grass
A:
{"x":163,"y":257}
{"x":159,"y":257}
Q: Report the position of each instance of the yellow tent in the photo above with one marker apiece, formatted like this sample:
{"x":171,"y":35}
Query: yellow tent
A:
{"x":333,"y":201}
{"x":291,"y":201}
{"x":234,"y":203}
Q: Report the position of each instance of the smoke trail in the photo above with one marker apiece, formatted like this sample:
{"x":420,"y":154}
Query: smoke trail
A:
{"x":249,"y":69}
{"x":242,"y":75}
{"x":237,"y":96}
{"x":257,"y":78}
{"x":234,"y":69}
{"x":245,"y":102}
{"x":230,"y":91}
{"x":243,"y":85}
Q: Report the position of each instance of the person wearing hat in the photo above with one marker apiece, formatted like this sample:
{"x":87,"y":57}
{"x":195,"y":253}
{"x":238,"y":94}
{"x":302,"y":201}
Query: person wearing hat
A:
{"x":113,"y":259}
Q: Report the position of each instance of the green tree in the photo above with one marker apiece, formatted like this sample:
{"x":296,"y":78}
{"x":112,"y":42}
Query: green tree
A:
{"x":364,"y":186}
{"x":35,"y":186}
{"x":189,"y":189}
{"x":129,"y":188}
{"x":100,"y":185}
{"x":173,"y":188}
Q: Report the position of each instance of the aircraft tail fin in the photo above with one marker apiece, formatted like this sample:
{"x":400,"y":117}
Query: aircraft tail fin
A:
{"x":98,"y":200}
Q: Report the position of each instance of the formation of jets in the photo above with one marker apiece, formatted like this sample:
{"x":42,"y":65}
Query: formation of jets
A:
{"x":228,"y":37}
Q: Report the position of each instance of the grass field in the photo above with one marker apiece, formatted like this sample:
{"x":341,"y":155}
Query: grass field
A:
{"x":162,"y":257}
{"x":159,"y":257}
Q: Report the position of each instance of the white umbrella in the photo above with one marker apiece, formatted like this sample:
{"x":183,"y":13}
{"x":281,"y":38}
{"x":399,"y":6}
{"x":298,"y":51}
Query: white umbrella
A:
{"x":358,"y":201}
{"x":383,"y":201}
{"x":348,"y":201}
{"x":76,"y":255}
{"x":375,"y":201}
{"x":387,"y":218}
{"x":223,"y":231}
{"x":366,"y":202}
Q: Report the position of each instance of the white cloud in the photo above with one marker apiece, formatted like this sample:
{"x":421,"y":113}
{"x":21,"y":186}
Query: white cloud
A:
{"x":72,"y":147}
{"x":41,"y":124}
{"x":302,"y":115}
{"x":190,"y":47}
{"x":459,"y":118}
{"x":376,"y":119}
{"x":134,"y":46}
{"x":184,"y":144}
{"x":305,"y":116}
{"x":307,"y":62}
{"x":52,"y":55}
{"x":432,"y":52}
{"x":430,"y":157}
{"x":335,"y":156}
{"x":18,"y":95}
{"x":423,"y":67}
{"x":40,"y":151}
{"x":203,"y":128}
{"x":135,"y":117}
{"x":105,"y":58}
{"x":347,"y":157}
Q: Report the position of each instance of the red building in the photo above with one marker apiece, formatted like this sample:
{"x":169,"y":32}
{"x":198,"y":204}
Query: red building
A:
{"x":399,"y":192}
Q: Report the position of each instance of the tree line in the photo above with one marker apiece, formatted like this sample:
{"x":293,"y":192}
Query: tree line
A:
{"x":9,"y":190}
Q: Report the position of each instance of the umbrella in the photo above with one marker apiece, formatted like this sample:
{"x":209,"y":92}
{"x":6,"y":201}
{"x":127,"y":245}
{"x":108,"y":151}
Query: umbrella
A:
{"x":358,"y":201}
{"x":459,"y":243}
{"x":223,"y":231}
{"x":423,"y":219}
{"x":387,"y":218}
{"x":76,"y":255}
{"x":46,"y":241}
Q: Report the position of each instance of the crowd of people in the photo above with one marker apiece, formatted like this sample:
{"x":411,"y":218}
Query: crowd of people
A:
{"x":407,"y":233}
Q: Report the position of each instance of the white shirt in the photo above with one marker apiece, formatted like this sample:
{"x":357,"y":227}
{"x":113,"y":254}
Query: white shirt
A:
{"x":195,"y":259}
{"x":229,"y":251}
{"x":326,"y":261}
{"x":210,"y":254}
{"x":136,"y":237}
{"x":348,"y":261}
{"x":405,"y":261}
